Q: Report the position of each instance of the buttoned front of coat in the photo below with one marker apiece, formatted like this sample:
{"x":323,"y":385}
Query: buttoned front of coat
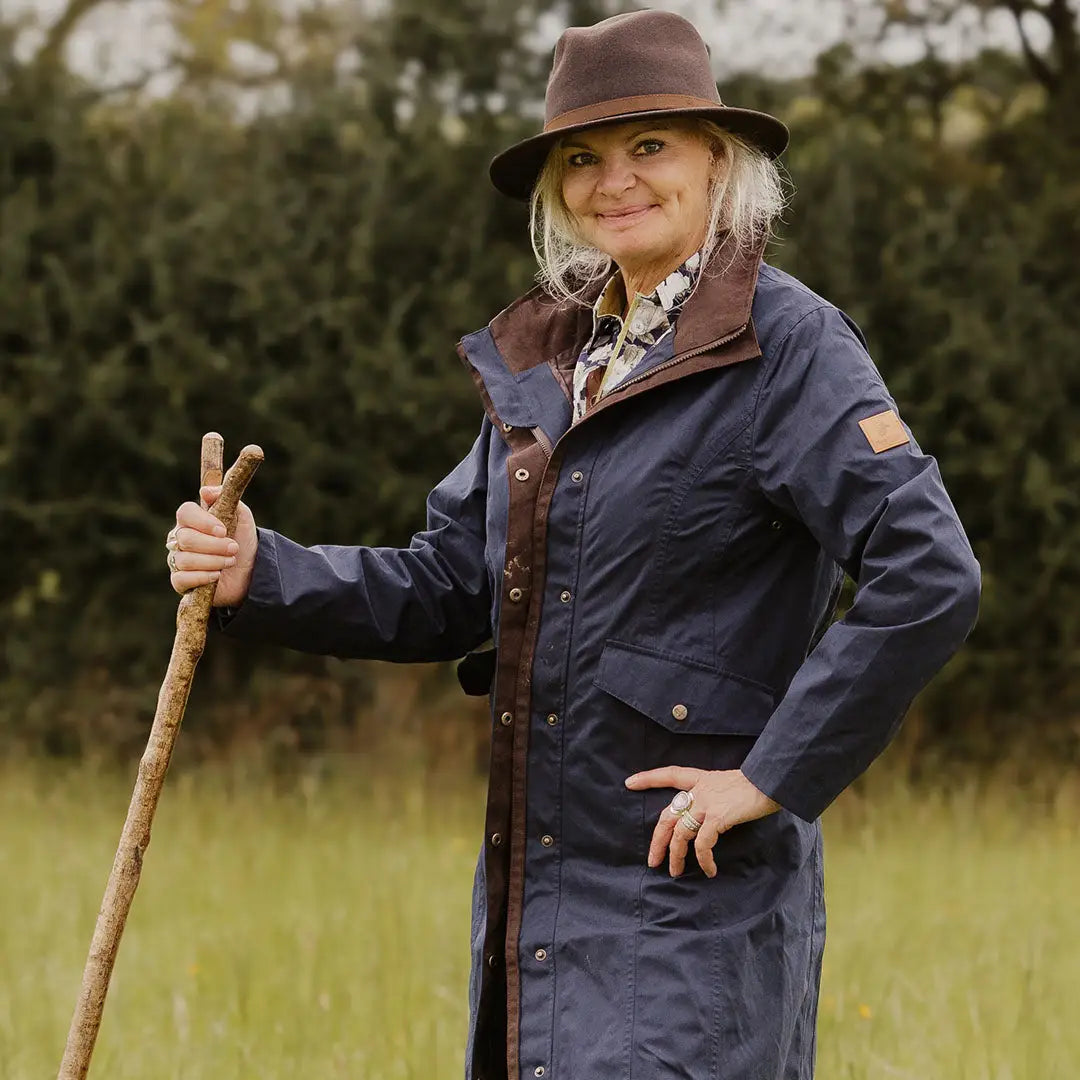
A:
{"x":659,"y":580}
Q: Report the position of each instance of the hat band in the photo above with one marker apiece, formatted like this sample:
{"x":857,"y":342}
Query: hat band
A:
{"x":620,"y":106}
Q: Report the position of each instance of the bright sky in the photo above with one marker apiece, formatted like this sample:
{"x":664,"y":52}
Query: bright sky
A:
{"x":123,"y":37}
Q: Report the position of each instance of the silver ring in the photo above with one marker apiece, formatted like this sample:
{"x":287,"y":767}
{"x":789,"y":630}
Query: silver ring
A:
{"x":170,"y":559}
{"x":689,"y":822}
{"x":682,"y":802}
{"x":172,"y":542}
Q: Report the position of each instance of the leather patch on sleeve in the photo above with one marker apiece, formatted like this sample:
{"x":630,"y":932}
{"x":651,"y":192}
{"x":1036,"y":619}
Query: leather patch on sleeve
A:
{"x":883,"y":431}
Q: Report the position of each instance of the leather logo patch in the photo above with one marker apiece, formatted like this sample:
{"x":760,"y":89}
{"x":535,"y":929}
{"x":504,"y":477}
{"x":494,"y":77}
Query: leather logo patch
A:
{"x":883,"y":431}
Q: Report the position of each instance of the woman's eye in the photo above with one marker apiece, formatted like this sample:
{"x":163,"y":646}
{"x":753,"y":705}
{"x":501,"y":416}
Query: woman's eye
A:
{"x":650,"y":146}
{"x":576,"y":161}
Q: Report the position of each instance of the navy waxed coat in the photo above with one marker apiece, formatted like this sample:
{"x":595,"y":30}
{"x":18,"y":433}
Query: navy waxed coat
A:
{"x":682,"y":545}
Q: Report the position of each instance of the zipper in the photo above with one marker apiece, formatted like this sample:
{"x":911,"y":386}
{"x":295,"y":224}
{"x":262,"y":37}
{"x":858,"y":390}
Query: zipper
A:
{"x":545,"y":443}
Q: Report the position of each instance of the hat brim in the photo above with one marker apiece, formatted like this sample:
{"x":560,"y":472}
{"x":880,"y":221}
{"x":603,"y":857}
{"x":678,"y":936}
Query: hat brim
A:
{"x":516,"y":169}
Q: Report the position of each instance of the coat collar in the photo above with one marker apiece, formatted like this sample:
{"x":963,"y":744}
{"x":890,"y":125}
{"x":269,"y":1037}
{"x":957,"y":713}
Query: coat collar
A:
{"x":516,"y":359}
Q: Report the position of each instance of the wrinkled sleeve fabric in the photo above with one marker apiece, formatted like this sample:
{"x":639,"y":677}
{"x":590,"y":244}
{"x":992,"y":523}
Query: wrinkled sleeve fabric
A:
{"x":429,"y":601}
{"x":888,"y":521}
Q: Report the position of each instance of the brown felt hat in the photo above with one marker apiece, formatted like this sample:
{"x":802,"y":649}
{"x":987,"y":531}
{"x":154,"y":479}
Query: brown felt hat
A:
{"x":645,"y":63}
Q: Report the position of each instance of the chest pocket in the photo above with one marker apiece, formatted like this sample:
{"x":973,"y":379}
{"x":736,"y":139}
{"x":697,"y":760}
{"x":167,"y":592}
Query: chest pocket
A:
{"x":683,"y":696}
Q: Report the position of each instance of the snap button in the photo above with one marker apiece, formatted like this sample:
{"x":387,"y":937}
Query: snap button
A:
{"x":538,"y":1071}
{"x":565,"y":596}
{"x":776,"y":526}
{"x":492,"y":960}
{"x":547,"y":840}
{"x":516,"y":594}
{"x":679,"y":712}
{"x":522,"y":474}
{"x":577,"y":476}
{"x":506,"y":719}
{"x":540,"y":954}
{"x":496,"y":839}
{"x":552,"y":719}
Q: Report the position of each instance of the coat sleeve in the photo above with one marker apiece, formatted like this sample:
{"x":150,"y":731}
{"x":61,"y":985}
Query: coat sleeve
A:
{"x":886,"y":519}
{"x":429,"y":601}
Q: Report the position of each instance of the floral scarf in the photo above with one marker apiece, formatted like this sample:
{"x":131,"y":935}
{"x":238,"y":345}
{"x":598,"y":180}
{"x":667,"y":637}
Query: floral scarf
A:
{"x":616,"y":348}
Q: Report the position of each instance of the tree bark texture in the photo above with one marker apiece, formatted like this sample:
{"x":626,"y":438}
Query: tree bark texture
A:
{"x":191,"y":624}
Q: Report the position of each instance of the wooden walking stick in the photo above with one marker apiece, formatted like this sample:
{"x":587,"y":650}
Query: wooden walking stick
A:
{"x":191,"y":620}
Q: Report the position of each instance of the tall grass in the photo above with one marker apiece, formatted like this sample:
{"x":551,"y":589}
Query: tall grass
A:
{"x":322,"y":932}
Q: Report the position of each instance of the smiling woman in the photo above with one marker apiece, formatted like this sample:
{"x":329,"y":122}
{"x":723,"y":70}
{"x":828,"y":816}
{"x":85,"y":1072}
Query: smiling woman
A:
{"x":702,"y":178}
{"x":683,"y":450}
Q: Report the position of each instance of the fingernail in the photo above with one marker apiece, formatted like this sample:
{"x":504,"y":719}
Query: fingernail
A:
{"x":230,"y":562}
{"x":215,"y":574}
{"x":219,"y":530}
{"x":233,"y":547}
{"x":629,"y":781}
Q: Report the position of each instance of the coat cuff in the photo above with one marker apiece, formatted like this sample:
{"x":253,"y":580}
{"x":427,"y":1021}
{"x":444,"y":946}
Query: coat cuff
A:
{"x":803,"y":800}
{"x":264,"y":593}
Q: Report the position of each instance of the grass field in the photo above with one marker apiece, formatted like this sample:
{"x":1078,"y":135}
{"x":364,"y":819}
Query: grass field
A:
{"x":295,"y":936}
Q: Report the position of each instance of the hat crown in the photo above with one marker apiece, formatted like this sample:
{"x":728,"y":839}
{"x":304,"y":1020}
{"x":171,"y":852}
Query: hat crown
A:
{"x":636,"y":55}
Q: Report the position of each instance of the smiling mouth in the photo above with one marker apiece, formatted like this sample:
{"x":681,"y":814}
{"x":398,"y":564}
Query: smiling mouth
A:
{"x":624,"y":217}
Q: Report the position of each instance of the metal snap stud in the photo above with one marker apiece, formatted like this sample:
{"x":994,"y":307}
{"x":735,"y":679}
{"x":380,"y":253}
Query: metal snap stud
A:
{"x":506,"y":719}
{"x":577,"y":476}
{"x":565,"y":596}
{"x":496,"y":839}
{"x":679,"y":712}
{"x":516,"y":594}
{"x":522,"y":474}
{"x":552,"y":719}
{"x":540,"y":954}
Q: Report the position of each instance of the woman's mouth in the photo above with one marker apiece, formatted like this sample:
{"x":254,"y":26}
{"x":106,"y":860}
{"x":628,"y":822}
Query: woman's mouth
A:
{"x":625,"y":216}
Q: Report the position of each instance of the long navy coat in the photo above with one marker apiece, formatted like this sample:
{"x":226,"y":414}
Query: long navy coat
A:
{"x":682,"y":545}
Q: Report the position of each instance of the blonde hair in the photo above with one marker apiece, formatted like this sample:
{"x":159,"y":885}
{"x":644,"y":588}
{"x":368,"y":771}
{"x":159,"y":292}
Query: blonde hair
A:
{"x":747,"y":194}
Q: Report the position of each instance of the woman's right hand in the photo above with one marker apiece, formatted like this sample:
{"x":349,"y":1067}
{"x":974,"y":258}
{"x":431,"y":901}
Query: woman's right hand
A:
{"x":204,"y":553}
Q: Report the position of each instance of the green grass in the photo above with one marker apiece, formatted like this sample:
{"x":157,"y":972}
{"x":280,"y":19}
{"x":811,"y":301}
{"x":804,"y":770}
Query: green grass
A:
{"x":317,"y":934}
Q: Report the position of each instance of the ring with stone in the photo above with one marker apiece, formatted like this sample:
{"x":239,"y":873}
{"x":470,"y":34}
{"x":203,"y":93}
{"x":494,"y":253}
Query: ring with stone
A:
{"x":681,"y":803}
{"x":170,"y":559}
{"x":689,"y":822}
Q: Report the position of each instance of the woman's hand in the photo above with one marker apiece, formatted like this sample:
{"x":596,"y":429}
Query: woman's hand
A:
{"x":722,"y":799}
{"x":204,"y":553}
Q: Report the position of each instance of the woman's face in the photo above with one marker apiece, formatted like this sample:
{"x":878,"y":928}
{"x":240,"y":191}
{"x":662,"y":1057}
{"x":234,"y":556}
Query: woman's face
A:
{"x":639,"y":191}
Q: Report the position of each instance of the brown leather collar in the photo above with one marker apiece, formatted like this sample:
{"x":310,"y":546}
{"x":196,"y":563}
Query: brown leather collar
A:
{"x":536,"y":329}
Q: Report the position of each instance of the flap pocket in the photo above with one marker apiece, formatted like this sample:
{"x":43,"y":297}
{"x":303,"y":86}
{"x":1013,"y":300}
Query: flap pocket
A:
{"x":683,"y":695}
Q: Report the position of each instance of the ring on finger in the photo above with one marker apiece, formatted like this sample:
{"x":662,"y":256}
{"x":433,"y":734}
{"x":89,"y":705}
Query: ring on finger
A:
{"x":689,"y":822}
{"x":170,"y":559}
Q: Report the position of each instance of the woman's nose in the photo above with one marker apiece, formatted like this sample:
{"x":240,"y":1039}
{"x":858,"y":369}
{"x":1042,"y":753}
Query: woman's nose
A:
{"x":616,"y":176}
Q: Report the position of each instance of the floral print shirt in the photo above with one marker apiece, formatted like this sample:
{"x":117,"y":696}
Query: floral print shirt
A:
{"x":616,"y":347}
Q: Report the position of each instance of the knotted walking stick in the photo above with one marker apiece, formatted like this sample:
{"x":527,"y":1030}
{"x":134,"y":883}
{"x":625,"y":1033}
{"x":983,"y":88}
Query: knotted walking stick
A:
{"x":191,"y":622}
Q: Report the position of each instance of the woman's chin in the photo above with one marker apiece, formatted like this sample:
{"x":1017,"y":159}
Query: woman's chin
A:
{"x":634,"y":249}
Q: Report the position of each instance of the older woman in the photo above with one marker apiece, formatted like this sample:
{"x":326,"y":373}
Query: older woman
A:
{"x":683,"y":450}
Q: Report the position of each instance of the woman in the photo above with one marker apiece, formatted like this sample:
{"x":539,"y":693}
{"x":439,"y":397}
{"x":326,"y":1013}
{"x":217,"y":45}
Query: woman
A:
{"x":683,"y":447}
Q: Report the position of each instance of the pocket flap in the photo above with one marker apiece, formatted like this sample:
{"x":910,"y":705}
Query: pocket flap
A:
{"x":683,"y":695}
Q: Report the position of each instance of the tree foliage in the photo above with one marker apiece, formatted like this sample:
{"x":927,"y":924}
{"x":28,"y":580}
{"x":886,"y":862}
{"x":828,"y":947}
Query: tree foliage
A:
{"x":298,"y":277}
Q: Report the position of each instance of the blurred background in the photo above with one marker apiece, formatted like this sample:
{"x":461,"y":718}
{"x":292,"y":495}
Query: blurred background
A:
{"x":271,"y":218}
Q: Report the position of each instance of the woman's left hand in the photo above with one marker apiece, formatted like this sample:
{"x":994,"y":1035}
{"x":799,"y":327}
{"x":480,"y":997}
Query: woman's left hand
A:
{"x":722,"y":798}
